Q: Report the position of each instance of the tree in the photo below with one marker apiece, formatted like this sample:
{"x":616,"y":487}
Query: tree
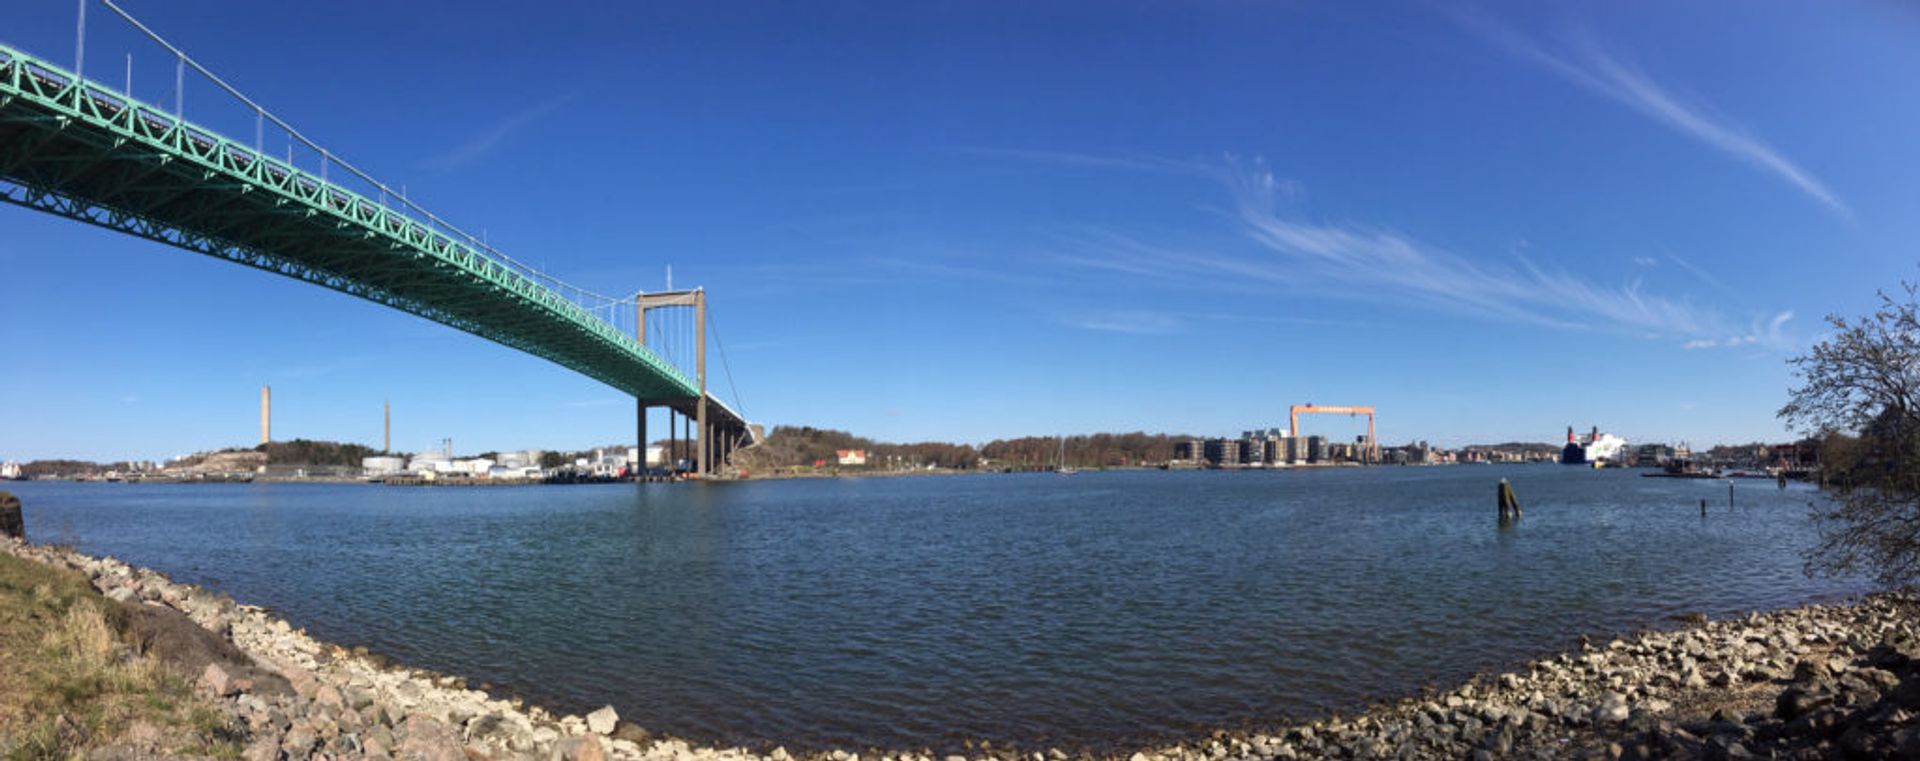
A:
{"x":1859,"y":394}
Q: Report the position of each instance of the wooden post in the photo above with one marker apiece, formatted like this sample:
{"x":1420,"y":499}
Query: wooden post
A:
{"x":1729,"y":495}
{"x":1703,"y":508}
{"x":1508,"y":503}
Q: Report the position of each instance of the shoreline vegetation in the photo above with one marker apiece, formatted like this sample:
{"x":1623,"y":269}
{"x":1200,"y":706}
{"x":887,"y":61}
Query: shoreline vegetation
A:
{"x":149,"y":666}
{"x":788,"y":452}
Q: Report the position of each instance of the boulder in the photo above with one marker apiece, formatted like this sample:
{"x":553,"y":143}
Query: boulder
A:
{"x":631,"y":732}
{"x":501,"y":730}
{"x":299,"y":740}
{"x":263,"y":748}
{"x":1612,"y":709}
{"x":11,"y":522}
{"x":169,"y":636}
{"x":215,"y":681}
{"x":329,"y":696}
{"x":603,"y":721}
{"x":1795,"y":702}
{"x":427,"y":739}
{"x":582,"y":748}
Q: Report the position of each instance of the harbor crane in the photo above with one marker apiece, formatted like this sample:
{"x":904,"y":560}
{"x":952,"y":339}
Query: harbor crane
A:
{"x":1293,"y":422}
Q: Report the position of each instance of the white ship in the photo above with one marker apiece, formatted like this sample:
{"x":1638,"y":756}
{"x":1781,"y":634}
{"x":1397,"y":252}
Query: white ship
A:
{"x":9,"y":471}
{"x":1594,"y":448}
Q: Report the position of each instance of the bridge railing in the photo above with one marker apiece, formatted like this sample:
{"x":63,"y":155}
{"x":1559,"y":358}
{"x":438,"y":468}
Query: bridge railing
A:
{"x":74,"y":97}
{"x":339,"y":186}
{"x":330,"y":166}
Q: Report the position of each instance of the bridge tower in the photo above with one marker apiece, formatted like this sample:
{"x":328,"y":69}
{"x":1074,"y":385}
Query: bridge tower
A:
{"x":702,"y":438}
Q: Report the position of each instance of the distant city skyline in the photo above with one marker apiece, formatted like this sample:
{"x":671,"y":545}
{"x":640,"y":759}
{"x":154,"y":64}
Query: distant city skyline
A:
{"x":970,"y":222}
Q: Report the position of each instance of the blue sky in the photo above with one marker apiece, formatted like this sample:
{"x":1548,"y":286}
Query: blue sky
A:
{"x":966,"y":221}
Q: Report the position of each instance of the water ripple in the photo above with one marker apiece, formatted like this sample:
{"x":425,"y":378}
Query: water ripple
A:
{"x":920,"y":612}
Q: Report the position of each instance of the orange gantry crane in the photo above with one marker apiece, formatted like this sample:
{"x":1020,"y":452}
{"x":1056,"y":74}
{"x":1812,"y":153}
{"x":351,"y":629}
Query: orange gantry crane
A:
{"x":1293,"y":422}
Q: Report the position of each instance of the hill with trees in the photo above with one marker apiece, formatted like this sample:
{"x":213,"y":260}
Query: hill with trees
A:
{"x":803,"y":446}
{"x":307,"y":452}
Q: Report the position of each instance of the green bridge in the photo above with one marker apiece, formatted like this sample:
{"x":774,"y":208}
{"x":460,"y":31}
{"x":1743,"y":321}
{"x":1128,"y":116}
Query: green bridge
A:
{"x":73,"y":147}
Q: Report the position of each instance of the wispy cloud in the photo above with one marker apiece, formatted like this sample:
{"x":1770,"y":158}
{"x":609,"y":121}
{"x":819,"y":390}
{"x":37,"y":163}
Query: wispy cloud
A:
{"x":1768,"y":335}
{"x":1132,"y":322}
{"x":478,"y":145}
{"x":1703,"y":275}
{"x":1386,"y":266}
{"x":1602,"y":73}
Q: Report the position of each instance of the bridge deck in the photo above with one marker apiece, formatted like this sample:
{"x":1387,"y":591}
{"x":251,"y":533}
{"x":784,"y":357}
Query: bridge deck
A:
{"x":81,"y":151}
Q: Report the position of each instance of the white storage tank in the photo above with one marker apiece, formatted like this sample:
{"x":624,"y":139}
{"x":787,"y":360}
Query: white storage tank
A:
{"x":382,"y":466}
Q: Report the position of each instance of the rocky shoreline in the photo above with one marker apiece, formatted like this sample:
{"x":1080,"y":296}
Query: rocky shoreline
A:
{"x":1818,"y":681}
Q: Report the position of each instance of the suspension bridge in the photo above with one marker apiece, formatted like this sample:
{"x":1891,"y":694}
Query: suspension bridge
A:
{"x":79,"y":149}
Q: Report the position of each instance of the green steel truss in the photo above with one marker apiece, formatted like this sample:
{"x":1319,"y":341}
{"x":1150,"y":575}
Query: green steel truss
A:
{"x":75,"y":149}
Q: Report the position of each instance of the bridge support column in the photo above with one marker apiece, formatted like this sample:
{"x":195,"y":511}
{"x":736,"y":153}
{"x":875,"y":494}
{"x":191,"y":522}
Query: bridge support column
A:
{"x":640,"y":432}
{"x":703,"y":449}
{"x":700,"y":369}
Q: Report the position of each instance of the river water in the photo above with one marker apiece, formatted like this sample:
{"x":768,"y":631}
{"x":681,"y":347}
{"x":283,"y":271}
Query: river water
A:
{"x":1091,"y":610}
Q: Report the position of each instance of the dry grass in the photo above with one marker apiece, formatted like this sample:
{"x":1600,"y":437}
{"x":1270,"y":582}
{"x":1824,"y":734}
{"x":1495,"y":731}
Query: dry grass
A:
{"x":69,"y":682}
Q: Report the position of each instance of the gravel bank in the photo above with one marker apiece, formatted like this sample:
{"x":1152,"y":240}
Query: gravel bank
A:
{"x":1820,"y":681}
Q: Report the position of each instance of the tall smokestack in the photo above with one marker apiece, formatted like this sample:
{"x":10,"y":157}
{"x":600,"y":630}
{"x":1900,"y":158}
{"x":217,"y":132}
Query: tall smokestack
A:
{"x":1569,"y":434}
{"x":386,"y":438}
{"x":266,"y":414}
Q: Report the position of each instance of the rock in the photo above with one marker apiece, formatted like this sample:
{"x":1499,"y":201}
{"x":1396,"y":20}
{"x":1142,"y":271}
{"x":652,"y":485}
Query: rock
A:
{"x":603,"y":721}
{"x":1612,"y":709}
{"x":380,"y":736}
{"x":582,"y":748}
{"x":459,"y":714}
{"x":1796,"y":702}
{"x":1500,"y":743}
{"x":299,"y":740}
{"x":329,"y":696}
{"x":358,"y":698}
{"x":304,"y":683}
{"x":11,"y":522}
{"x":503,"y":731}
{"x":263,"y":748}
{"x":215,"y":681}
{"x":122,"y":594}
{"x":631,"y":732}
{"x":429,"y":740}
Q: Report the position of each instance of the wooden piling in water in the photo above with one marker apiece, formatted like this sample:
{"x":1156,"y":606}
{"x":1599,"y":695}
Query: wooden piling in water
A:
{"x":1509,"y":504}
